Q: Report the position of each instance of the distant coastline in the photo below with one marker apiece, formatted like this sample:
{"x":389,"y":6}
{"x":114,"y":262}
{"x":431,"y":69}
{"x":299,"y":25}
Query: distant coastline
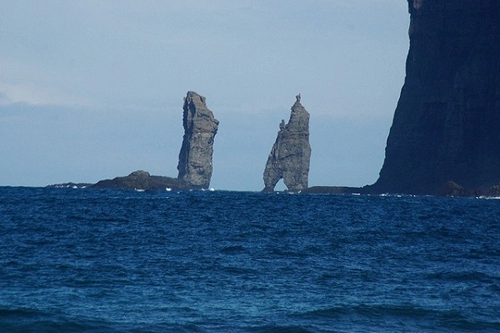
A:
{"x":137,"y":180}
{"x":142,"y":180}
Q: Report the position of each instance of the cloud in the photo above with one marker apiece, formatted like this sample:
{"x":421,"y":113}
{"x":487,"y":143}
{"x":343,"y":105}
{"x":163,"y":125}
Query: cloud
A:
{"x":4,"y":99}
{"x":37,"y":95}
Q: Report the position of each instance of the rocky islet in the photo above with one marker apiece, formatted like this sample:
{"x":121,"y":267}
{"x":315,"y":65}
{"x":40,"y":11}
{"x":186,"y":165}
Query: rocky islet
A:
{"x":290,"y":155}
{"x":195,"y":157}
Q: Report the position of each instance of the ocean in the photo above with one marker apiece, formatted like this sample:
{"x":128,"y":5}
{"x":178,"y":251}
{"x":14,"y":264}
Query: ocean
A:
{"x":88,"y":260}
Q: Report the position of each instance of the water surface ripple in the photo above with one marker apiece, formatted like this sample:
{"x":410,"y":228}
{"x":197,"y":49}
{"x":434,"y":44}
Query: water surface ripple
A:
{"x":126,"y":261}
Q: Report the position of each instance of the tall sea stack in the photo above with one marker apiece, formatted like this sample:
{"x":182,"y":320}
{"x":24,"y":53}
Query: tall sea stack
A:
{"x":291,"y":153}
{"x":195,"y":157}
{"x":446,"y":126}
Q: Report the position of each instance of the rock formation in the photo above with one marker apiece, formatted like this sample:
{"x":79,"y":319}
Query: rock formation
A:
{"x":140,"y":180}
{"x":291,"y":153}
{"x":195,"y":157}
{"x":446,"y":127}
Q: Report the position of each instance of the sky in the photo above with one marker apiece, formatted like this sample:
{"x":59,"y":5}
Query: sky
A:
{"x":94,"y":89}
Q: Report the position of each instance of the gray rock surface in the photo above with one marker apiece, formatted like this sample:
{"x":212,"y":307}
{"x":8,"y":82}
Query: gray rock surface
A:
{"x":195,"y":158}
{"x":291,"y":153}
{"x":446,"y":125}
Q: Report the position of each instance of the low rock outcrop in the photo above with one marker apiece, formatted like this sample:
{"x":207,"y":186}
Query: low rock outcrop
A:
{"x":291,"y":153}
{"x":451,"y":189}
{"x":137,"y":180}
{"x":140,"y":180}
{"x":195,"y":158}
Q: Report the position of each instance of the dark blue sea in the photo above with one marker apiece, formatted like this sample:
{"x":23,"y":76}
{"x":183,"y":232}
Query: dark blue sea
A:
{"x":84,"y":260}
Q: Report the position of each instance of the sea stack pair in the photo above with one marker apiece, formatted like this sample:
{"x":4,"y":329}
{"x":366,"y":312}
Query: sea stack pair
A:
{"x":289,"y":158}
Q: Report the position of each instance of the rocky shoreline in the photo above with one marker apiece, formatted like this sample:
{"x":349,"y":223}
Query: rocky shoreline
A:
{"x":142,"y":181}
{"x":137,"y":180}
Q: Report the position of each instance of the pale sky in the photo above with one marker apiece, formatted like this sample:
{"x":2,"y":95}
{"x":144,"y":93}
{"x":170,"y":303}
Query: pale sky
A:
{"x":93,"y":89}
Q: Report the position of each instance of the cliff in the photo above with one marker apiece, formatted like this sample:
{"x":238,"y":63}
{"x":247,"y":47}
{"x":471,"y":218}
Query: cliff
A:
{"x":446,"y":127}
{"x":291,"y":153}
{"x":195,"y":158}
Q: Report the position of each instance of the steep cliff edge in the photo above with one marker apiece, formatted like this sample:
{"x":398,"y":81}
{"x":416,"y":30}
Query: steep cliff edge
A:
{"x":195,"y":158}
{"x":291,"y":153}
{"x":446,"y":126}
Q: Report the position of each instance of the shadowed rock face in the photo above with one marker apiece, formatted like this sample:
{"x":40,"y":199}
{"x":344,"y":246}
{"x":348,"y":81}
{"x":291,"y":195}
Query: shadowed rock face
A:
{"x":140,"y":180}
{"x":195,"y":157}
{"x":291,"y":153}
{"x":446,"y":125}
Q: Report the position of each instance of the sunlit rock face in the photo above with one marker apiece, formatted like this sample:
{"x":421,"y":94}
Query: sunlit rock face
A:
{"x":446,"y":125}
{"x":291,"y":153}
{"x":195,"y":158}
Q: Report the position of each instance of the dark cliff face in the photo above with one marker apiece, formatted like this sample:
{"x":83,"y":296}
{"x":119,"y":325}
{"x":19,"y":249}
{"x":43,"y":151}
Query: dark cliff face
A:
{"x":446,"y":125}
{"x":291,"y":153}
{"x":195,"y":158}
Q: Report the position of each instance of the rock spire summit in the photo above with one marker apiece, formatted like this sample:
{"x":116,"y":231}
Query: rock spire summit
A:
{"x":291,"y":153}
{"x":195,"y":158}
